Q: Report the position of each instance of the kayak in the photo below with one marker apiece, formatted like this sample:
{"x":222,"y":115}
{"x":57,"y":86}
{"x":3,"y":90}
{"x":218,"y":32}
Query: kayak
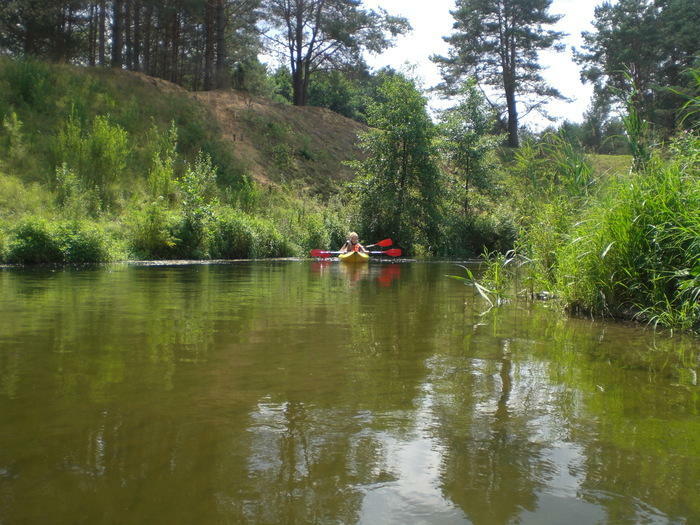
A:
{"x":354,"y":257}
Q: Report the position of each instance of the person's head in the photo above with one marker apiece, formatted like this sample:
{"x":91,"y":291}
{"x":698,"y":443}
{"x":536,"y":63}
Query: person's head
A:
{"x":353,"y":237}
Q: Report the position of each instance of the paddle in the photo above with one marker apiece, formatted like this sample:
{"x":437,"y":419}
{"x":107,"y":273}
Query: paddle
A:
{"x":394,"y":252}
{"x":383,"y":243}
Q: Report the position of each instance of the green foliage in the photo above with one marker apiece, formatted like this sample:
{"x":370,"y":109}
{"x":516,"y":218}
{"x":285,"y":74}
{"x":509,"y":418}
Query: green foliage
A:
{"x":616,"y":60}
{"x":541,"y":239}
{"x":471,"y":235}
{"x":233,"y":236}
{"x":199,"y":196}
{"x":398,"y":185}
{"x":73,"y":198}
{"x":150,"y":231}
{"x":18,"y":199}
{"x":82,"y":242}
{"x":268,"y":241}
{"x":468,"y":144}
{"x":35,"y":240}
{"x":498,"y":42}
{"x":162,"y":172}
{"x":638,"y":247}
{"x":27,"y":81}
{"x":14,"y":141}
{"x":98,"y":155}
{"x":3,"y":244}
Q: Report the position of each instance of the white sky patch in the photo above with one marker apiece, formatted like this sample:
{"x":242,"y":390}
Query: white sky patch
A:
{"x":431,"y":20}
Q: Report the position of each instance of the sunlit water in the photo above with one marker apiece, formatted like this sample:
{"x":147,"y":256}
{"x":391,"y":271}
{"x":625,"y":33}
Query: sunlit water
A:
{"x":297,"y":392}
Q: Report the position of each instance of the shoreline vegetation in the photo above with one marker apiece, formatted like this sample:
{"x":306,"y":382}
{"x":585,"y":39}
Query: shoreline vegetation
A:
{"x":98,"y":165}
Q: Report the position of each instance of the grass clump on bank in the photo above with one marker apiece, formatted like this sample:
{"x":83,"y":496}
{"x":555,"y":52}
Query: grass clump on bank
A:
{"x":628,"y":246}
{"x":636,"y":250}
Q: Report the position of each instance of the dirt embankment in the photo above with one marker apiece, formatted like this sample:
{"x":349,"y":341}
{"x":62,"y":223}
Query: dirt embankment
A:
{"x":284,"y":143}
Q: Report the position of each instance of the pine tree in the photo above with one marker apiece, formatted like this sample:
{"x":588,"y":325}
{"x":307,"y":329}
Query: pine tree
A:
{"x":497,"y":42}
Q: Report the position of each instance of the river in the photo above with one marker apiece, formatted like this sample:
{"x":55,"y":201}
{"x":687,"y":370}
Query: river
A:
{"x":303,"y":392}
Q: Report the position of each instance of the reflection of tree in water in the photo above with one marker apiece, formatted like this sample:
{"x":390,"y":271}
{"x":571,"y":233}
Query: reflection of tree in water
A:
{"x":492,"y":468}
{"x":306,"y":463}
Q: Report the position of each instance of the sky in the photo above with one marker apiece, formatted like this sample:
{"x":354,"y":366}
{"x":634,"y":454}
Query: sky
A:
{"x":431,"y":20}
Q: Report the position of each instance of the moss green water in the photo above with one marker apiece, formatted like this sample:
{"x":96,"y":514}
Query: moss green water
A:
{"x":298,"y":392}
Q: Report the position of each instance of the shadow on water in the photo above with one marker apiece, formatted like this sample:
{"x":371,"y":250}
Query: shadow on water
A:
{"x":298,"y":392}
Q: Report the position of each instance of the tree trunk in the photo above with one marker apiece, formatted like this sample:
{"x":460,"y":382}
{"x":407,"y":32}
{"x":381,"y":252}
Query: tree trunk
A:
{"x":513,"y":141}
{"x":298,"y":84}
{"x":147,"y":40}
{"x":127,"y":35}
{"x":136,"y":58}
{"x":221,"y":81}
{"x":208,"y":45}
{"x":102,"y":31}
{"x":92,"y":33}
{"x":117,"y":43}
{"x":298,"y":71}
{"x":467,"y":171}
{"x":175,"y":49}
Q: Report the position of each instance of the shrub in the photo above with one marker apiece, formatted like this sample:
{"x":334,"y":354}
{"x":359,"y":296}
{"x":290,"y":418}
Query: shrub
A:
{"x":232,"y":237}
{"x":150,"y":231}
{"x":98,"y":156}
{"x":199,"y":196}
{"x":81,"y":242}
{"x":268,"y":241}
{"x":34,"y":241}
{"x":28,"y":81}
{"x":470,"y":236}
{"x":18,"y":199}
{"x":315,"y":232}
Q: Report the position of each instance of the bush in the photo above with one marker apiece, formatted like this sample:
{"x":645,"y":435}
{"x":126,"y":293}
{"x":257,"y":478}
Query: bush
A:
{"x":232,"y":237}
{"x":18,"y":199}
{"x":81,"y":242}
{"x":268,"y":241}
{"x":28,"y":81}
{"x":97,"y":156}
{"x":34,"y":241}
{"x":470,"y":236}
{"x":315,"y":232}
{"x":150,"y":231}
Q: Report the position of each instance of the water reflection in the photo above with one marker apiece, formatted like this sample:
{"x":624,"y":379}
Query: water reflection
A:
{"x":290,"y":392}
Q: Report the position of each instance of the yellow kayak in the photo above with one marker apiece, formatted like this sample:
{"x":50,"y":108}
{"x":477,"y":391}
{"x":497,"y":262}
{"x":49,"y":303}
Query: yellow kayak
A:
{"x":354,"y":257}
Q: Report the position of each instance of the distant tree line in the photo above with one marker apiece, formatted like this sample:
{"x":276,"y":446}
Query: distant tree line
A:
{"x":196,"y":43}
{"x":200,"y":44}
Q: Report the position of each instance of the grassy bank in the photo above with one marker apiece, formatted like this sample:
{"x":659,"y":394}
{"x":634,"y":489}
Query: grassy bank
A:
{"x":626,"y":245}
{"x":99,"y":165}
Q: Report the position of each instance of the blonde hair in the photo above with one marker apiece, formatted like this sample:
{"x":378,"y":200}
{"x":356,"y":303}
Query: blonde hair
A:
{"x":352,"y":234}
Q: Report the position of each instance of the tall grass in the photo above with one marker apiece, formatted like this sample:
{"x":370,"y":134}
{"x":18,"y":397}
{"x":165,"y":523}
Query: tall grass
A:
{"x":637,"y":249}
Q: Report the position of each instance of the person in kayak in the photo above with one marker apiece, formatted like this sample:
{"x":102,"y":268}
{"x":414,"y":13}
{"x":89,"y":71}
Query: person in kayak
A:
{"x":353,"y":244}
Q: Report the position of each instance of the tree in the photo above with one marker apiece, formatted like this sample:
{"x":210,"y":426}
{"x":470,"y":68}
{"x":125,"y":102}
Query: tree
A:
{"x":497,"y":43}
{"x":398,"y":187}
{"x":643,"y":46}
{"x":196,"y":43}
{"x":467,"y":141}
{"x":315,"y":35}
{"x":41,"y":27}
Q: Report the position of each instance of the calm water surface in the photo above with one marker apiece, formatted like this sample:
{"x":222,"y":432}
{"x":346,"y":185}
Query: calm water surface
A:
{"x":306,"y":392}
